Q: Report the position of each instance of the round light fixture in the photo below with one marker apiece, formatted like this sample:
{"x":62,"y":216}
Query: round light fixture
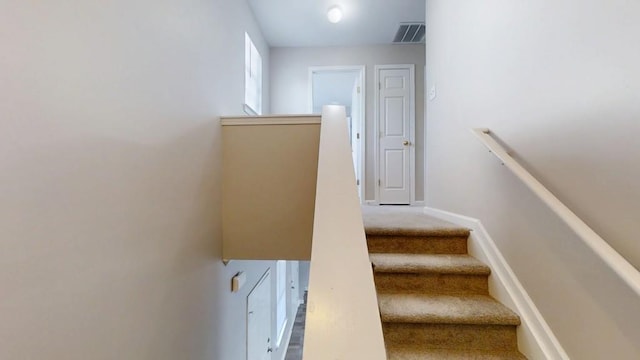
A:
{"x":334,"y":14}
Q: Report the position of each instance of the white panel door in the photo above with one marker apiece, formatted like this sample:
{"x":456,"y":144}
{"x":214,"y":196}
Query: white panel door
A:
{"x":395,"y":117}
{"x":259,"y":345}
{"x":356,"y":143}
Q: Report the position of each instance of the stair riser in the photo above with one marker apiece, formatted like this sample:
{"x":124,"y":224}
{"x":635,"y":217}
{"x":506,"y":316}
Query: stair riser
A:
{"x":443,"y":336}
{"x":431,"y":283}
{"x":417,"y":245}
{"x":438,"y":354}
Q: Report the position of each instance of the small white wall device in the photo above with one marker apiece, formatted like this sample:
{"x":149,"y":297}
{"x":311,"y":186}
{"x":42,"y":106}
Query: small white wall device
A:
{"x":238,"y":281}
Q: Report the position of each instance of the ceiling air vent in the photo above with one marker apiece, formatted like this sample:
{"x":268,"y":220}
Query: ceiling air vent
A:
{"x":409,"y":33}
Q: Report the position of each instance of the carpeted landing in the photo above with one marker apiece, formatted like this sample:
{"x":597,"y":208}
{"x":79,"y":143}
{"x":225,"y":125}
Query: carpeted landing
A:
{"x":433,"y":297}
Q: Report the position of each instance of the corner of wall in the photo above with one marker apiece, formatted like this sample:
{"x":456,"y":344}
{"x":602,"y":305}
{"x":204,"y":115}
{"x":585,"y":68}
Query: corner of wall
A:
{"x":535,"y":338}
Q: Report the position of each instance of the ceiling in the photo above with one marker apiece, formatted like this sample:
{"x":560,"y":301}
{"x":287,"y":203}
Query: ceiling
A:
{"x":299,"y":23}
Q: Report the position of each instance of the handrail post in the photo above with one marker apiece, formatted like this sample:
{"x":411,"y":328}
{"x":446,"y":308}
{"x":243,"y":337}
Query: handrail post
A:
{"x":343,"y":320}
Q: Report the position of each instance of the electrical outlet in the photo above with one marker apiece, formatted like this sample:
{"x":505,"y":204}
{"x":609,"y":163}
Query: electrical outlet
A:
{"x":432,"y":93}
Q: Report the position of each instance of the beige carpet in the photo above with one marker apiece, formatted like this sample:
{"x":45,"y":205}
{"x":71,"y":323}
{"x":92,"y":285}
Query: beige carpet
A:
{"x":403,"y":220}
{"x":433,"y":297}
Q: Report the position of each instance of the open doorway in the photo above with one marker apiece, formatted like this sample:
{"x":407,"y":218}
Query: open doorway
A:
{"x":259,"y":344}
{"x":343,"y":85}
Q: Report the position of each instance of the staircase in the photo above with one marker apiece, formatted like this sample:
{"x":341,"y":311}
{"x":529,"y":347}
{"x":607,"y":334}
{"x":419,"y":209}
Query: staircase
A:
{"x":433,"y":297}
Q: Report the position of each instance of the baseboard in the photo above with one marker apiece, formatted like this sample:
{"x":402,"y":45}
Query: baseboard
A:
{"x":286,"y":338}
{"x":419,"y":203}
{"x":535,"y":338}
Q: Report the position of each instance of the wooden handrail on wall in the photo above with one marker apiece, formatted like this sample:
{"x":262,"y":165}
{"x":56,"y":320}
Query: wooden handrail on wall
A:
{"x":343,"y":320}
{"x":627,"y":272}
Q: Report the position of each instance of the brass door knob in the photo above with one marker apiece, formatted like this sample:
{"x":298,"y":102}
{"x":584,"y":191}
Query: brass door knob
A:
{"x":405,"y":143}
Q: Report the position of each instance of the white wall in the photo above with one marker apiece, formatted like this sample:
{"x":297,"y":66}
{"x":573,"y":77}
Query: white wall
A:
{"x":334,"y":88}
{"x":559,"y":83}
{"x":305,"y":266}
{"x":290,"y":88}
{"x":110,"y":170}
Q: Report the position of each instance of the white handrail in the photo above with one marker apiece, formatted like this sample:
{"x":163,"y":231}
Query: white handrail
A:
{"x":627,"y":272}
{"x":343,"y":320}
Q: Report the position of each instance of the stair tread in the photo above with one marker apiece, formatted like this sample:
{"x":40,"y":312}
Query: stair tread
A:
{"x":407,"y":221}
{"x":428,"y":263}
{"x":445,"y":309}
{"x":404,"y":353}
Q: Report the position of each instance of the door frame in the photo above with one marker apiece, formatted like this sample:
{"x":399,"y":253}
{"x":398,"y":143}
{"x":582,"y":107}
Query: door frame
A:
{"x":266,"y":279}
{"x":361,"y":153}
{"x":412,"y":128}
{"x":282,"y":270}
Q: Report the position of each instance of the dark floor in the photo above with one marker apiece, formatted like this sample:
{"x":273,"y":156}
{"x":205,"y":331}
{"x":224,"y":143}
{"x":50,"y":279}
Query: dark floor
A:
{"x":294,"y":351}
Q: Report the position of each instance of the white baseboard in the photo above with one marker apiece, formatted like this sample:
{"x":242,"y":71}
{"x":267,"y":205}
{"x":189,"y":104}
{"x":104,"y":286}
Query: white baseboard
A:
{"x":535,"y":338}
{"x":284,"y":343}
{"x":419,"y":203}
{"x":289,"y":331}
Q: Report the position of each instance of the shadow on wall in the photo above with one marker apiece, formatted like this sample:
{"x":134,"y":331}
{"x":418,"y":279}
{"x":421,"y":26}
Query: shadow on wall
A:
{"x":579,"y":296}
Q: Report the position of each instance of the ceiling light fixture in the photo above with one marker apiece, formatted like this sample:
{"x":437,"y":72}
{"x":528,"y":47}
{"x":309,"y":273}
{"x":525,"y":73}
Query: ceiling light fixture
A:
{"x":334,"y":14}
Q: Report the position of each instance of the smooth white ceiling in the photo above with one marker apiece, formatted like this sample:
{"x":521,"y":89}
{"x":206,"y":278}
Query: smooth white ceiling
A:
{"x":304,"y":22}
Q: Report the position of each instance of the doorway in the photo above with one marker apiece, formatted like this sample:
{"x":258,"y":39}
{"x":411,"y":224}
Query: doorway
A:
{"x":343,"y":85}
{"x":395,"y":124}
{"x":259,"y":344}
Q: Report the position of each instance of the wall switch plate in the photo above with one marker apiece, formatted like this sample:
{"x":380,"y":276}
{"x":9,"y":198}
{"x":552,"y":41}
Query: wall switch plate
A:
{"x":238,"y":281}
{"x":432,"y":93}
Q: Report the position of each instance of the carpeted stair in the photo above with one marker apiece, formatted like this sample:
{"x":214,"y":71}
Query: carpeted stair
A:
{"x":433,"y":297}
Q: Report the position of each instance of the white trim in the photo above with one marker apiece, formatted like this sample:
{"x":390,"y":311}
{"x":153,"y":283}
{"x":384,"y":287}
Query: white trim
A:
{"x":249,"y":110}
{"x":376,"y":136}
{"x":263,"y":278}
{"x":535,"y":338}
{"x":244,"y":121}
{"x":282,"y":311}
{"x":286,"y":339}
{"x":362,"y":69}
{"x":363,"y":132}
{"x":272,"y":116}
{"x":412,"y":127}
{"x":424,"y":135}
{"x":282,"y":335}
{"x":292,"y":308}
{"x":253,"y":90}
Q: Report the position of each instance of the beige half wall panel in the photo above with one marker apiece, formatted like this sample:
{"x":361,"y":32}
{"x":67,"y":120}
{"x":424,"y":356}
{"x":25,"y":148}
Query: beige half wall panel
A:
{"x":270,"y":167}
